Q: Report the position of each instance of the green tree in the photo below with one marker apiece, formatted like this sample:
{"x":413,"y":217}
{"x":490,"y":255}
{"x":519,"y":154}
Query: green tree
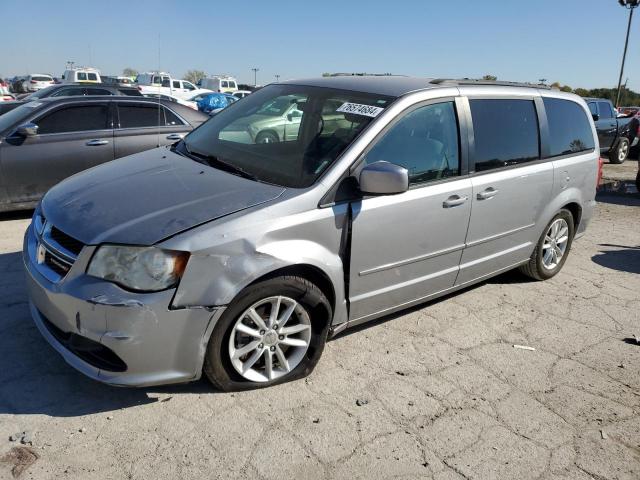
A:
{"x":129,"y":72}
{"x":555,"y":85}
{"x":566,"y":88}
{"x":583,"y":92}
{"x":194,"y":76}
{"x":491,"y":78}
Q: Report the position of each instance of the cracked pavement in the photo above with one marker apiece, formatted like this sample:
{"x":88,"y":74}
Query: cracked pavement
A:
{"x":443,"y":392}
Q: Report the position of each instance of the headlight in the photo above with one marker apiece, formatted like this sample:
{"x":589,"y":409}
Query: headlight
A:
{"x":138,"y":268}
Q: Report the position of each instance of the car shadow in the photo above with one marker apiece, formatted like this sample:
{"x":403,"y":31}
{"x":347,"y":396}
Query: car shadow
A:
{"x":34,"y":377}
{"x":510,"y":277}
{"x":626,"y":259}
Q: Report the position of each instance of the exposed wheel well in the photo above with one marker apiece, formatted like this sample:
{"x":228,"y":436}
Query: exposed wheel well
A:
{"x":309,"y":272}
{"x":576,"y":212}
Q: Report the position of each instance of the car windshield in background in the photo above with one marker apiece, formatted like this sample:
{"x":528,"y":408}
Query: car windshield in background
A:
{"x":285,"y":134}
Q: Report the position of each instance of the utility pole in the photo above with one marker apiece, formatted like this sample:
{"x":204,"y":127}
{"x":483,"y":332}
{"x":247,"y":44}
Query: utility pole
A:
{"x":255,"y":76}
{"x":630,"y":5}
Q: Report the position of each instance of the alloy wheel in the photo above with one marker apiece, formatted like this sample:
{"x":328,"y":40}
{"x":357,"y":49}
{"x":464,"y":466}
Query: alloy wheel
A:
{"x":555,"y":243}
{"x":270,"y":339}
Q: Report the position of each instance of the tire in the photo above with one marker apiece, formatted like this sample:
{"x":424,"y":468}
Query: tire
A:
{"x":537,"y":267}
{"x":619,"y":154}
{"x":266,"y":137}
{"x":310,"y":305}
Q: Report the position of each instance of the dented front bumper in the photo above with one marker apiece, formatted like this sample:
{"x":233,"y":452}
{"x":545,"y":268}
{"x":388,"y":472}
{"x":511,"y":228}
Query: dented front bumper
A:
{"x":113,"y":335}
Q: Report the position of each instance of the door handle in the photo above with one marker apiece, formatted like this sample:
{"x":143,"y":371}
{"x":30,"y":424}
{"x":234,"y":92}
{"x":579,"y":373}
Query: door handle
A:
{"x":96,"y":143}
{"x":454,"y":201}
{"x":175,"y":136}
{"x":488,"y":193}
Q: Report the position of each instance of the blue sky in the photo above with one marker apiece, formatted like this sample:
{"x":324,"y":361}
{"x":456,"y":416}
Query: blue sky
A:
{"x":576,"y":42}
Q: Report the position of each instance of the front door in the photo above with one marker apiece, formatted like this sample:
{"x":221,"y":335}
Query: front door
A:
{"x":606,"y":124}
{"x":407,"y":247}
{"x":70,"y":139}
{"x":511,"y":187}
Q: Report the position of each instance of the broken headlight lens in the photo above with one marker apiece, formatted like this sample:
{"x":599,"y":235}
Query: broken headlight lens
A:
{"x":146,"y":269}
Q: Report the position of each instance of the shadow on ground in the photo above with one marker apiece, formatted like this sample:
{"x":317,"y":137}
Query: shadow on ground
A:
{"x":626,"y":259}
{"x":34,"y":377}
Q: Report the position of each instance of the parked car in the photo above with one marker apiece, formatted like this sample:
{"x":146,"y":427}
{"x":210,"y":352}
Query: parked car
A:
{"x":82,"y":75}
{"x":614,"y":134}
{"x":627,"y":111}
{"x":239,"y":259}
{"x":71,"y":89}
{"x":16,"y":85}
{"x":220,"y":83}
{"x":172,"y":98}
{"x":242,"y":93}
{"x":212,"y":103}
{"x":162,"y":83}
{"x":37,"y":81}
{"x":47,"y":140}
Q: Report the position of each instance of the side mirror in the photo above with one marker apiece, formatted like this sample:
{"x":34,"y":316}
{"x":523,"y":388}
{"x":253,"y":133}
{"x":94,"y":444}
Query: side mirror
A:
{"x":596,"y":117}
{"x":27,"y":130}
{"x":384,"y":178}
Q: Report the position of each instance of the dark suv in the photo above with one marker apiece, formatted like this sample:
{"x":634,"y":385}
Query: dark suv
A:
{"x":45,"y":141}
{"x":71,"y":90}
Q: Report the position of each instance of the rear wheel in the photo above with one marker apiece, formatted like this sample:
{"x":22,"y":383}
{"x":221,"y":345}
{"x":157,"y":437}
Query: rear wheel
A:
{"x":552,"y":249}
{"x":273,"y":332}
{"x":621,"y":152}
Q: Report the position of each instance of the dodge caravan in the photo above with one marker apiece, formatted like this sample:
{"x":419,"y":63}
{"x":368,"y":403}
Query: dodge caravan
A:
{"x":238,"y":258}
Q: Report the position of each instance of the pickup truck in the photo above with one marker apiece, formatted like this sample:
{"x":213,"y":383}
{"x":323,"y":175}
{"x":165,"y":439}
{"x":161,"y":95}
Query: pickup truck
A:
{"x":160,"y":83}
{"x":616,"y":135}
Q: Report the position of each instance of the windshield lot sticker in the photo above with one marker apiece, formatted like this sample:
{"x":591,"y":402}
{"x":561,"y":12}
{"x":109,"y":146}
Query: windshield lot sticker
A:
{"x":359,"y":109}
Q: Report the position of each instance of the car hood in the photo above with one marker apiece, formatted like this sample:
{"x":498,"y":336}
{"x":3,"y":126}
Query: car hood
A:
{"x":145,"y":198}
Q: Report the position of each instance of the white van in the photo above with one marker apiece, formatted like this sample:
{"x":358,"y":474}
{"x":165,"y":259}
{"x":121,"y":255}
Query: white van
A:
{"x":223,"y":83}
{"x":81,"y":74}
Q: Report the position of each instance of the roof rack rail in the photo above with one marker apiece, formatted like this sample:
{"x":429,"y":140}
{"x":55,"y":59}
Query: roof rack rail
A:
{"x":500,"y":83}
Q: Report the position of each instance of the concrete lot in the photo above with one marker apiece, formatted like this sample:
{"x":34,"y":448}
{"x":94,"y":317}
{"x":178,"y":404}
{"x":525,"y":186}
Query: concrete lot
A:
{"x":436,"y":392}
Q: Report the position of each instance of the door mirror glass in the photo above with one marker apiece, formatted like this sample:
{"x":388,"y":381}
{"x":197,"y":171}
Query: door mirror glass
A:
{"x":27,"y":130}
{"x":595,"y":116}
{"x":384,"y":178}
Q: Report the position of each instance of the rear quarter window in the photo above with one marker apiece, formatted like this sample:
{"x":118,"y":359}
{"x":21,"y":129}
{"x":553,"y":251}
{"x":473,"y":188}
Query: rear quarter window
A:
{"x":569,"y":127}
{"x":505,"y":131}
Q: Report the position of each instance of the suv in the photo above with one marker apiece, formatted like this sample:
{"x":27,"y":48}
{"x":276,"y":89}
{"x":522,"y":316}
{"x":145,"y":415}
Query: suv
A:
{"x":48,"y":140}
{"x":71,"y":90}
{"x":238,"y":258}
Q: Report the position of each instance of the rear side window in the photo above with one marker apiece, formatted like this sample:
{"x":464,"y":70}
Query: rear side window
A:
{"x":74,"y":119}
{"x":232,"y":84}
{"x":98,"y":91}
{"x":569,"y":128}
{"x":225,"y":84}
{"x":505,"y":131}
{"x":138,"y":116}
{"x":172,"y":118}
{"x":605,"y":110}
{"x":92,"y":76}
{"x":81,"y":76}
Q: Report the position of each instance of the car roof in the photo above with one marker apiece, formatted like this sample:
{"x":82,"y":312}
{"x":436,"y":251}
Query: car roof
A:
{"x":398,"y":85}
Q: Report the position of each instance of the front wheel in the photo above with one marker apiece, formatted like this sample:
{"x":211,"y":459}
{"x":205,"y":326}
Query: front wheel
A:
{"x":552,"y":248}
{"x":621,"y":152}
{"x":273,"y":332}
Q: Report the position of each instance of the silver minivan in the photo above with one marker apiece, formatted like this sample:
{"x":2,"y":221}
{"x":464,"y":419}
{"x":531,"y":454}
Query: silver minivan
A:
{"x":238,"y":258}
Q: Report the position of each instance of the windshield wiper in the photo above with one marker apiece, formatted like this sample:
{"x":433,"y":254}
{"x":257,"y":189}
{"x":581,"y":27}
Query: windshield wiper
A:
{"x":215,"y":162}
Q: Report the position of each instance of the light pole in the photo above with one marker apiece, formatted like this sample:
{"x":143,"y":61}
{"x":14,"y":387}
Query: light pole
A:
{"x":630,"y":5}
{"x":277,"y":78}
{"x":255,"y":76}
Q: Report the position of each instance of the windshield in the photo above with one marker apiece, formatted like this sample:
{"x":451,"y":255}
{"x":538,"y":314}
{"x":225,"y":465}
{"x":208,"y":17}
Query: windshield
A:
{"x":18,"y":114}
{"x":286,"y":135}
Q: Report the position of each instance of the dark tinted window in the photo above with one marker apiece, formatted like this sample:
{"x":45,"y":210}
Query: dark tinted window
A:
{"x":425,"y":142}
{"x":70,"y":92}
{"x":98,"y":91}
{"x":176,"y":84}
{"x":172,"y":118}
{"x":74,"y":119}
{"x":135,"y":116}
{"x":505,"y":131}
{"x":605,"y":110}
{"x":569,"y":127}
{"x":92,"y":76}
